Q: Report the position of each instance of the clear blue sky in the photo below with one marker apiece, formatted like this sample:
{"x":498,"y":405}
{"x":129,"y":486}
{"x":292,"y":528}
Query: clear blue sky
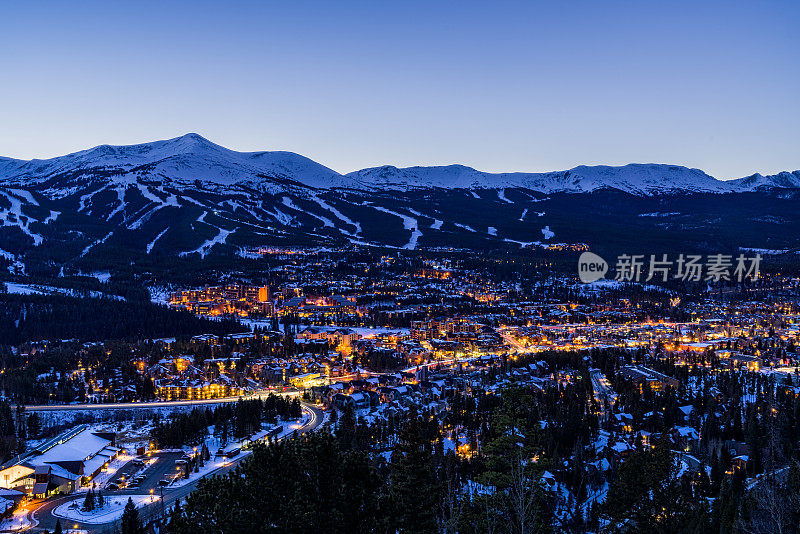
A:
{"x":500,"y":86}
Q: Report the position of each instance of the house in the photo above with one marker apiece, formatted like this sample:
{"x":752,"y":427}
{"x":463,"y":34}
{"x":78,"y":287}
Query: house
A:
{"x":61,"y":464}
{"x":342,"y":336}
{"x":751,"y":363}
{"x":641,"y":375}
{"x":356,"y":401}
{"x":684,"y":436}
{"x":740,"y":462}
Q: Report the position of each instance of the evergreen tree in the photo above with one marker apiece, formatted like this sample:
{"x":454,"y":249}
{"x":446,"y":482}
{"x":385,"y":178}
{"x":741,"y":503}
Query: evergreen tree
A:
{"x":88,"y":502}
{"x":58,"y":529}
{"x":415,"y":489}
{"x":130,"y":523}
{"x":34,"y":425}
{"x":346,"y":430}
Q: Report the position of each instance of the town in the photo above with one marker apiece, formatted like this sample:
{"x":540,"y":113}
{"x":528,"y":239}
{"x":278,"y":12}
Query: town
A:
{"x":332,"y":344}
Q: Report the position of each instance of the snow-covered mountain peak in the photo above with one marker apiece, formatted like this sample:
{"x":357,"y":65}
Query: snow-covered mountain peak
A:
{"x":757,"y":181}
{"x":635,"y":178}
{"x":191,"y":158}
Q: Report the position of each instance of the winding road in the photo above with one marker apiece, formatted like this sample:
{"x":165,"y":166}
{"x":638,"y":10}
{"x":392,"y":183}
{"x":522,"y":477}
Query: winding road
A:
{"x":41,"y":514}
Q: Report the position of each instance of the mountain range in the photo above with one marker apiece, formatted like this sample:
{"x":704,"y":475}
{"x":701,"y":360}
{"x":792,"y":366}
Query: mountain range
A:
{"x":192,"y":157}
{"x":190,"y":197}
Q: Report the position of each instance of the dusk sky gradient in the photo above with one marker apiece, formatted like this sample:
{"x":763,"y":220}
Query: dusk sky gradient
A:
{"x":499,"y":86}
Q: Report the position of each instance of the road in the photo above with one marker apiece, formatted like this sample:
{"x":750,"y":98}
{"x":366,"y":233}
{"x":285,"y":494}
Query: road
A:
{"x":155,"y":404}
{"x":508,"y":338}
{"x":164,"y":466}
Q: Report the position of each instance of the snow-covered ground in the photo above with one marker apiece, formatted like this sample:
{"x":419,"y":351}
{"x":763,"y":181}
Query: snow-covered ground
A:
{"x":218,"y":239}
{"x":13,"y":216}
{"x":521,"y":243}
{"x":339,"y":215}
{"x":36,"y":289}
{"x":437,"y":223}
{"x":102,"y":240}
{"x":325,"y":221}
{"x":17,"y":521}
{"x":501,"y":194}
{"x":112,"y":508}
{"x":218,"y":462}
{"x":108,"y":473}
{"x":210,"y":466}
{"x":409,"y":223}
{"x":152,"y":243}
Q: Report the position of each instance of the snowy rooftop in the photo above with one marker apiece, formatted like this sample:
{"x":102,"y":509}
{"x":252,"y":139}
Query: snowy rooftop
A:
{"x":80,"y":447}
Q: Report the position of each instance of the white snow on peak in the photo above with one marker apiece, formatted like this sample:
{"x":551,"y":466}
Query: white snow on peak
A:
{"x":757,"y":181}
{"x":186,"y":158}
{"x":191,"y":157}
{"x":643,"y":179}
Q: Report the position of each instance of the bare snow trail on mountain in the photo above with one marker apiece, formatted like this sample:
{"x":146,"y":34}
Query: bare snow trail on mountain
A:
{"x":409,"y":223}
{"x":88,"y":196}
{"x":22,"y":221}
{"x":170,"y":201}
{"x":152,"y":243}
{"x":501,"y":194}
{"x":52,"y":217}
{"x":25,"y":195}
{"x":121,"y":199}
{"x":521,"y":244}
{"x":206,"y":247}
{"x":325,"y":221}
{"x":437,"y":223}
{"x":97,"y":242}
{"x":339,"y":215}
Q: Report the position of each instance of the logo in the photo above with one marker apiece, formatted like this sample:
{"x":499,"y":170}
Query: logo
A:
{"x":717,"y":268}
{"x":591,"y":267}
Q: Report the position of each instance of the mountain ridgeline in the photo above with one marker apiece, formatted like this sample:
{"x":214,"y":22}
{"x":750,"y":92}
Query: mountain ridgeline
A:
{"x":188,"y":197}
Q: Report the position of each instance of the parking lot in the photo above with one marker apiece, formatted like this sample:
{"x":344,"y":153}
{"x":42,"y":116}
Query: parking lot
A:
{"x":140,"y":476}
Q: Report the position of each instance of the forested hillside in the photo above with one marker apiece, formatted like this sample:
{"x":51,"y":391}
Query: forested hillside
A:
{"x":52,"y":317}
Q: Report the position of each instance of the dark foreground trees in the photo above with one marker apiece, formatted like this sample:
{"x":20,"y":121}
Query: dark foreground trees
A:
{"x":130,"y":523}
{"x":325,"y":483}
{"x":304,"y":485}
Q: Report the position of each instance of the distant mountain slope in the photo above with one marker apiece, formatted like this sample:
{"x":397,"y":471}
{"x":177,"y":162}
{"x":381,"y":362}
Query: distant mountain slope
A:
{"x":186,"y":158}
{"x":639,"y":179}
{"x":191,"y":158}
{"x":188,"y":197}
{"x":758,"y":182}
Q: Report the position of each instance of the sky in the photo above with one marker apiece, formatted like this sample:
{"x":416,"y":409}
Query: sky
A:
{"x":499,"y":86}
